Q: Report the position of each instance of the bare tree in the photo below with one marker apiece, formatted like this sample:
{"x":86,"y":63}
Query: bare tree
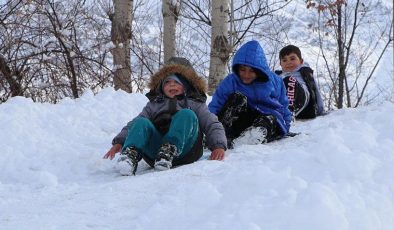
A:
{"x":171,"y":11}
{"x":147,"y":46}
{"x":120,"y":36}
{"x":220,"y":47}
{"x":250,"y":20}
{"x":359,"y":30}
{"x":53,"y":49}
{"x":48,"y":51}
{"x":12,"y":72}
{"x":13,"y":79}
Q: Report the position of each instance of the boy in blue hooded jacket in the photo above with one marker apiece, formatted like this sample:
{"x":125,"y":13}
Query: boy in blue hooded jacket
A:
{"x":252,"y":97}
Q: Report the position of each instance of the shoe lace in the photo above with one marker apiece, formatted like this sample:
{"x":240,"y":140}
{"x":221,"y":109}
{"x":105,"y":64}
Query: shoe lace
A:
{"x":167,"y":152}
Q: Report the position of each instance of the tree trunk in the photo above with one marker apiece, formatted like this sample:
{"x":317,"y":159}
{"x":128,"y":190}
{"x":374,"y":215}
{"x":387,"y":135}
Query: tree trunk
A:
{"x":170,"y":17}
{"x":341,"y":59}
{"x":220,"y":48}
{"x":13,"y":79}
{"x":120,"y":36}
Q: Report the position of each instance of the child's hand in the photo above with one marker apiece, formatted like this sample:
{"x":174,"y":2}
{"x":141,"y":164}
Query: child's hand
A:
{"x":111,"y":153}
{"x":217,"y":154}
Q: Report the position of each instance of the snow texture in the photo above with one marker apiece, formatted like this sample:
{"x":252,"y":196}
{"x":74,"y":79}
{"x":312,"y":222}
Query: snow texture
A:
{"x":337,"y":174}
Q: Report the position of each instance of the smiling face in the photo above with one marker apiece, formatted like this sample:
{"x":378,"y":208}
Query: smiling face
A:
{"x":172,"y":88}
{"x":290,"y":62}
{"x":247,"y":74}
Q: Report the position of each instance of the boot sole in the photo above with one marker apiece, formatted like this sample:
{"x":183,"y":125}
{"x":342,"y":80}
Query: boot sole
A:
{"x":162,"y":166}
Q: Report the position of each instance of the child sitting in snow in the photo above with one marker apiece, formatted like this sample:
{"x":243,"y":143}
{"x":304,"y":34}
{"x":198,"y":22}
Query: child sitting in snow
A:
{"x":252,"y":98}
{"x":169,"y":130}
{"x":304,"y":96}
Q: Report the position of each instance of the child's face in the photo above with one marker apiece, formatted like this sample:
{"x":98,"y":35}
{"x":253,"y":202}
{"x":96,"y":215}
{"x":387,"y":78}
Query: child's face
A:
{"x":172,"y":88}
{"x":290,"y":62}
{"x":246,"y":74}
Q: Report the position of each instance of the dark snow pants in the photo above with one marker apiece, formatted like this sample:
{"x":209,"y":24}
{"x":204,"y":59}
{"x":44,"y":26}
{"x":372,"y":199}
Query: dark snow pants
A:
{"x":236,"y":116}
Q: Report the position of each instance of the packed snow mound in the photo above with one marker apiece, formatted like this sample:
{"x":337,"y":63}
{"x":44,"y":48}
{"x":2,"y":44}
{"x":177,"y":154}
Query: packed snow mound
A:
{"x":337,"y":174}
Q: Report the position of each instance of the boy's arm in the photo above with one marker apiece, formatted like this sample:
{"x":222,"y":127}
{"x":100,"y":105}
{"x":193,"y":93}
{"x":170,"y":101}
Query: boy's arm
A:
{"x":213,"y":130}
{"x":211,"y":127}
{"x":307,"y":75}
{"x":120,"y":138}
{"x":220,"y":96}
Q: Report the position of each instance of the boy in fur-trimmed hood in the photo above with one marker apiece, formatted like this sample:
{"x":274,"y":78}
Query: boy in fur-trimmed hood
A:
{"x":169,"y":130}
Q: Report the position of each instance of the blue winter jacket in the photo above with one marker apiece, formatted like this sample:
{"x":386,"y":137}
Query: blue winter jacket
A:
{"x":268,"y":96}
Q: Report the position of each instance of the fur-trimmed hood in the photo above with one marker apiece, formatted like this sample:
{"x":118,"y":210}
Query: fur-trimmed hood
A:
{"x":197,"y":86}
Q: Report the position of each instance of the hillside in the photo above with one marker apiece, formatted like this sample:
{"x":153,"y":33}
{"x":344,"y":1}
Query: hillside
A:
{"x":337,"y":174}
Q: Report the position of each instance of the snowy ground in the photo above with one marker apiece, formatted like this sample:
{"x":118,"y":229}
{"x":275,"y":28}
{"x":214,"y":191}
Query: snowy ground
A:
{"x":338,"y":174}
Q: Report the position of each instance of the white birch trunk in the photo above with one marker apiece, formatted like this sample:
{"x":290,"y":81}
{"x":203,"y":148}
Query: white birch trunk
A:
{"x":170,"y":10}
{"x":120,"y":36}
{"x":220,"y":48}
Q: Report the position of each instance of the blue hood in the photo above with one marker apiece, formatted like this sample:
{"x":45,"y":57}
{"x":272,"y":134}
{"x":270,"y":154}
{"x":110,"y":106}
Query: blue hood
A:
{"x":251,"y":54}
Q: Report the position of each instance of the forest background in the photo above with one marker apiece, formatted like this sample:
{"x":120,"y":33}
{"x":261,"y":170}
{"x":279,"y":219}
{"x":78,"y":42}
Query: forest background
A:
{"x":51,"y":49}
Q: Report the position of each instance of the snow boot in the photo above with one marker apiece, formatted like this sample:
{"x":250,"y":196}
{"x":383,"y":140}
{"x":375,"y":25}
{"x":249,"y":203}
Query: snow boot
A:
{"x":270,"y":124}
{"x":252,"y":136}
{"x":128,"y":162}
{"x":164,"y":158}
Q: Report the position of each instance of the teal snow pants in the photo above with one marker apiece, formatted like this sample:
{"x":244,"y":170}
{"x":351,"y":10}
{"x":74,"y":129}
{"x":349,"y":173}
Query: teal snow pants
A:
{"x":183,"y":133}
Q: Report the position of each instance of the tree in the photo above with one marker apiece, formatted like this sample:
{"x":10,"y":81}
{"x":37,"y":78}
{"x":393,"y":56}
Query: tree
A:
{"x":350,"y":34}
{"x":171,"y":11}
{"x":249,"y":20}
{"x":48,"y":51}
{"x":220,"y":47}
{"x":13,"y":79}
{"x":120,"y":36}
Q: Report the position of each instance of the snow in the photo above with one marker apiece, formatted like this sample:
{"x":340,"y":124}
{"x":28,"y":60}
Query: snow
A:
{"x":337,"y":174}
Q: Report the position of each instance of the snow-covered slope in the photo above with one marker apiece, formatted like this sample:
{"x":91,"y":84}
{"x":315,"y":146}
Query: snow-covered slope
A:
{"x":337,"y":174}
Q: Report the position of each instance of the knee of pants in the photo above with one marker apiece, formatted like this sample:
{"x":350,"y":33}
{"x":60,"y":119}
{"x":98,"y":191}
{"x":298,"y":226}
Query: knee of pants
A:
{"x":186,"y":113}
{"x":184,"y":118}
{"x":237,"y":95}
{"x":237,"y":99}
{"x":184,"y":130}
{"x":139,"y":133}
{"x":141,"y":121}
{"x":236,"y":103}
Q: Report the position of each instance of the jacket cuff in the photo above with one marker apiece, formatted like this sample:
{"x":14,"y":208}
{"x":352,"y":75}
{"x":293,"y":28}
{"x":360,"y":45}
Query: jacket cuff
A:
{"x":117,"y":141}
{"x":218,"y":146}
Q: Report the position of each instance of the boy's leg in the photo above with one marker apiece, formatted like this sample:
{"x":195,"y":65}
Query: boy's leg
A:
{"x":183,"y":131}
{"x":144,"y":137}
{"x":233,"y":115}
{"x":194,"y":154}
{"x":311,"y":109}
{"x":263,"y":129}
{"x":269,"y":123}
{"x":142,"y":141}
{"x":179,"y":139}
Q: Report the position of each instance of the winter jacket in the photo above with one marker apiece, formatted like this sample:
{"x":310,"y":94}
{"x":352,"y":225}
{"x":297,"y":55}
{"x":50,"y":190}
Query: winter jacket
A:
{"x":159,"y":108}
{"x":297,"y":74}
{"x":267,"y":94}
